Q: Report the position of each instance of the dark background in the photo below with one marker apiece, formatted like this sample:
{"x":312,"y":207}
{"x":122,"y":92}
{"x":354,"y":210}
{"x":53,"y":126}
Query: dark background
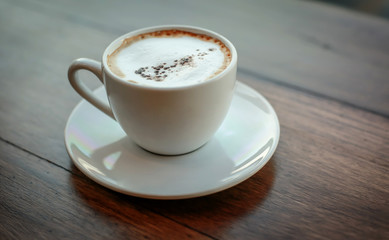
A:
{"x":373,"y":7}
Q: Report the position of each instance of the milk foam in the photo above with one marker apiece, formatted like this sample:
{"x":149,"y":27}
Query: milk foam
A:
{"x":169,"y":60}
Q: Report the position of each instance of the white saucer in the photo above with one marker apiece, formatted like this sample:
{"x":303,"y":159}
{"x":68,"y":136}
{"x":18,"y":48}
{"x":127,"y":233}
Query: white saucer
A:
{"x":244,"y":143}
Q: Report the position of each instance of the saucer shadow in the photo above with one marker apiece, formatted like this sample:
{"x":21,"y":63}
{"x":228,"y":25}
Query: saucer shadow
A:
{"x":214,"y":212}
{"x":219,"y":209}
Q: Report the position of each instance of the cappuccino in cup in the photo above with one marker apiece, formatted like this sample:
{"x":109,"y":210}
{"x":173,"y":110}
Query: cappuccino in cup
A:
{"x":169,"y":87}
{"x":169,"y":58}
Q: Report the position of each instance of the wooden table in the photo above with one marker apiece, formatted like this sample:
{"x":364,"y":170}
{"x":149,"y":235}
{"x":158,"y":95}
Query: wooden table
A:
{"x":324,"y":69}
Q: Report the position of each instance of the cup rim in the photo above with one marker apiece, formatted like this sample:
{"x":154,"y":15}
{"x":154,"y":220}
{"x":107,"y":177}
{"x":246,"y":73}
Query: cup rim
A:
{"x":118,"y":41}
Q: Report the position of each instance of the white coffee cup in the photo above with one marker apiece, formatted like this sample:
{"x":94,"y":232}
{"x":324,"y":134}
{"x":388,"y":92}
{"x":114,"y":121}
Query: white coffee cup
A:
{"x":163,"y":120}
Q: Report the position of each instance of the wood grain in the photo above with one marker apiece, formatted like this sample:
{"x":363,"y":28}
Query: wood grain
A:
{"x":41,"y":201}
{"x":318,"y":178}
{"x":324,"y":70}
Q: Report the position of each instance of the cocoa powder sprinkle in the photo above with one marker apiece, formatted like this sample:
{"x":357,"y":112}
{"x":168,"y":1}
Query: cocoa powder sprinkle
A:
{"x":161,"y":71}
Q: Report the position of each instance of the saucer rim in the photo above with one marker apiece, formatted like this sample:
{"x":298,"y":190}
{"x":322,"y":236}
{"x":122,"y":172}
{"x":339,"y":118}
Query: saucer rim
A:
{"x":114,"y":187}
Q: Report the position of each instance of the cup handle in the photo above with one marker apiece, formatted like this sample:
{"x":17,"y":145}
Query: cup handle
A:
{"x":94,"y":67}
